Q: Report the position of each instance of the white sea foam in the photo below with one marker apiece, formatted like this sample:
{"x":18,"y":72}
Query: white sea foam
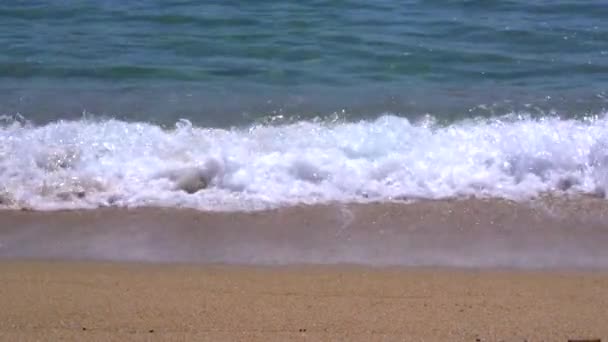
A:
{"x":84,"y":164}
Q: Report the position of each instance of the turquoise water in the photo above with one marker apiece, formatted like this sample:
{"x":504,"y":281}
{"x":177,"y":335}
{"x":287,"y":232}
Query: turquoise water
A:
{"x":224,"y":63}
{"x":243,"y":105}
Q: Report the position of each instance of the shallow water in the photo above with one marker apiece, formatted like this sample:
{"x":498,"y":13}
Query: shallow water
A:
{"x":549,"y":233}
{"x":264,"y":105}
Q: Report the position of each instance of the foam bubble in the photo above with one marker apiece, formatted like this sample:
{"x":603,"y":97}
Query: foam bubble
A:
{"x":85,"y":164}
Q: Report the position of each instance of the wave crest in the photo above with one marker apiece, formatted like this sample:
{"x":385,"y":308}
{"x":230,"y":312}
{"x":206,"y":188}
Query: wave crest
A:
{"x":83,"y":164}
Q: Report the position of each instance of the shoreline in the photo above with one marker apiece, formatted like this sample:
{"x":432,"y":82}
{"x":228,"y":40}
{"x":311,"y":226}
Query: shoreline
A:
{"x":100,"y":301}
{"x":552,"y":233}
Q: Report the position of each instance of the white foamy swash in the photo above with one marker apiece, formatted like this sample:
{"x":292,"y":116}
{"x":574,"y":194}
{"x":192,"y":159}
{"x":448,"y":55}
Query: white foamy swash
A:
{"x":85,"y":164}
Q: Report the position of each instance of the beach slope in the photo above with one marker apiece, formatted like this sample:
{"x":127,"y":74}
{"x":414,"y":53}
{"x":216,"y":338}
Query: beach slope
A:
{"x":122,"y":301}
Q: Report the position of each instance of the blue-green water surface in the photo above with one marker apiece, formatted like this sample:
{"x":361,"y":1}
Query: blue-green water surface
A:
{"x":234,"y":62}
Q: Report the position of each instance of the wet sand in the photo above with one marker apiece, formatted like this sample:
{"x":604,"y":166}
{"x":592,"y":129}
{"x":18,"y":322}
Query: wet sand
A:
{"x":95,"y":301}
{"x":549,"y":233}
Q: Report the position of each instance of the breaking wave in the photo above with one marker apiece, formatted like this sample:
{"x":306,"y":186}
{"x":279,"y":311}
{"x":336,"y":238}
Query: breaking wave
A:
{"x":90,"y":164}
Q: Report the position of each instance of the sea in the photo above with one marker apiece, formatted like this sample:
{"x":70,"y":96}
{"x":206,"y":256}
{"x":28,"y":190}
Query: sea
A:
{"x":238,"y":105}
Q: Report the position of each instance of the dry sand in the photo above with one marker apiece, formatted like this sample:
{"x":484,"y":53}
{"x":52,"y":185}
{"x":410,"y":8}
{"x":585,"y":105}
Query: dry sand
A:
{"x":91,"y":301}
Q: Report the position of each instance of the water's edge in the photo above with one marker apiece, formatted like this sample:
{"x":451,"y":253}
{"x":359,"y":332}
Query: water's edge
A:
{"x":548,"y":233}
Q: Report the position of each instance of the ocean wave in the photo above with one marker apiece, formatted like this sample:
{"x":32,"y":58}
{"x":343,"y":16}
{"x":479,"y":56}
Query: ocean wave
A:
{"x":90,"y":164}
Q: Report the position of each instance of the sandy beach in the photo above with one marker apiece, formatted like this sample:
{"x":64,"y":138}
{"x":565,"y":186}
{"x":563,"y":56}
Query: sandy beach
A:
{"x":467,"y":270}
{"x":90,"y":301}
